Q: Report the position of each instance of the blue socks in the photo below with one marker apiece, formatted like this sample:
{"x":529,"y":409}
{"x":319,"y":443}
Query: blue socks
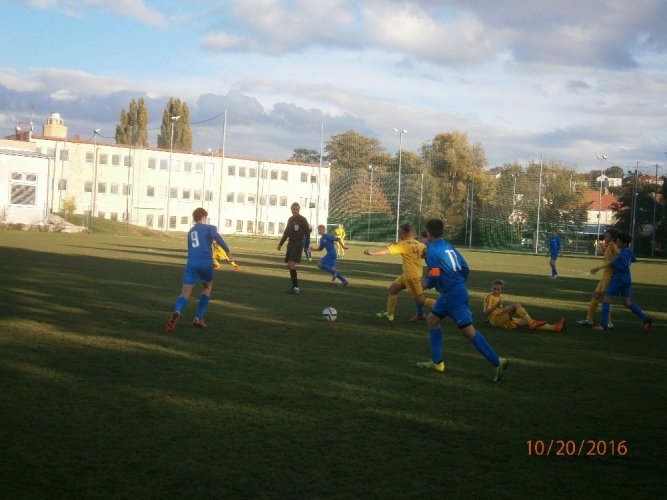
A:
{"x":484,"y":348}
{"x":604,"y":317}
{"x":638,"y":312}
{"x":180,"y":304}
{"x":553,"y":271}
{"x":436,"y":345}
{"x":203,"y":304}
{"x":420,"y":309}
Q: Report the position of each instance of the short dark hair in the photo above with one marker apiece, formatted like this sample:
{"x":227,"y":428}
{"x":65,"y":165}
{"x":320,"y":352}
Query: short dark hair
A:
{"x":613,"y":232}
{"x":435,"y":227}
{"x":624,"y":238}
{"x":295,"y":204}
{"x":199,"y":214}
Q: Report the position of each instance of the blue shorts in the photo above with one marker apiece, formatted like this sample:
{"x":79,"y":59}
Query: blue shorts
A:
{"x":328,"y":261}
{"x":194,"y":273}
{"x":619,"y":286}
{"x":554,"y":256}
{"x":460,"y":313}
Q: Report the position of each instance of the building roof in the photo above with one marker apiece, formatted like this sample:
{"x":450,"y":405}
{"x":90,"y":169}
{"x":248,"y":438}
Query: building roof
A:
{"x":592,"y":199}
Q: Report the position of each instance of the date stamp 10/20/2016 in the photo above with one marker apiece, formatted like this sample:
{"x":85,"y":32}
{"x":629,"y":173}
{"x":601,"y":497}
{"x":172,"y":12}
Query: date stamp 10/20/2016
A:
{"x":577,"y":448}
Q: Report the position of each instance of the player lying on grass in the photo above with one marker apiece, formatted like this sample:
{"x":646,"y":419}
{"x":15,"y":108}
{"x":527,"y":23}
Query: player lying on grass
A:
{"x":448,"y":272}
{"x":220,"y":256}
{"x":610,"y":252}
{"x":328,"y":262}
{"x":513,"y":315}
{"x":412,"y":253}
{"x":199,"y":267}
{"x":621,"y":284}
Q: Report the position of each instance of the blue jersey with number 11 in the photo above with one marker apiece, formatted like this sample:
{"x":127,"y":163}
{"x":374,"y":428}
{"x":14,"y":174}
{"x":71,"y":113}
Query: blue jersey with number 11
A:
{"x":447,"y":271}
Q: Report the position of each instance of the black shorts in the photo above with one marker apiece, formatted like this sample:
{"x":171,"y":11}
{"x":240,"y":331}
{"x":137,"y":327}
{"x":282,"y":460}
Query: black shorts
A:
{"x":294,"y":252}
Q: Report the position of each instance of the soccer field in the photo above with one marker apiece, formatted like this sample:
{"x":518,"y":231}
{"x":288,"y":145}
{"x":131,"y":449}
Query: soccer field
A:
{"x":273,"y":402}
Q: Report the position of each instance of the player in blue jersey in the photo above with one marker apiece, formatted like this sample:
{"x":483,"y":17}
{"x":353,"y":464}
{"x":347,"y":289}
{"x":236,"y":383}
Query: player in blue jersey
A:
{"x":555,"y":250}
{"x":199,"y":267}
{"x":447,"y":272}
{"x":621,"y":284}
{"x":328,"y":262}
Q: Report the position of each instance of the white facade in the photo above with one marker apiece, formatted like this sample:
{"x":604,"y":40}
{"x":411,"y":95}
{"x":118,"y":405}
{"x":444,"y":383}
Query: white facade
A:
{"x":24,"y":183}
{"x":241,"y":195}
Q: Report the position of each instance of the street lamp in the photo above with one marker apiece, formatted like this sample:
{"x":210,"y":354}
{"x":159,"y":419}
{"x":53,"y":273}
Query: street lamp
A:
{"x":372,"y":169}
{"x":174,"y":119}
{"x":93,"y":194}
{"x":203,"y":182}
{"x":400,"y":155}
{"x":601,"y":158}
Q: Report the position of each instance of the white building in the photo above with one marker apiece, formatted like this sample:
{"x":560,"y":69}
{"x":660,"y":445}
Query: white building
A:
{"x":24,"y":183}
{"x":159,"y":189}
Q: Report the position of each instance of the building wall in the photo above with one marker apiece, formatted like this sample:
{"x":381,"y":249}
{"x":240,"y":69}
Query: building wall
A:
{"x":242,"y":195}
{"x":24,"y":177}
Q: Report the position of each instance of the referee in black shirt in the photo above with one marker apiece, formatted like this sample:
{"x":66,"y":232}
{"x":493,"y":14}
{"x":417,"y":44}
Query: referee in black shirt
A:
{"x":297,"y":234}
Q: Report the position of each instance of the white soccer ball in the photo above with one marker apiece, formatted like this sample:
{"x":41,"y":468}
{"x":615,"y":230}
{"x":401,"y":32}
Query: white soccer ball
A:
{"x":330,"y":314}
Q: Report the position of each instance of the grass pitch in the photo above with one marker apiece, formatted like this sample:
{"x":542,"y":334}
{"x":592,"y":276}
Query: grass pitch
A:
{"x":270,"y":401}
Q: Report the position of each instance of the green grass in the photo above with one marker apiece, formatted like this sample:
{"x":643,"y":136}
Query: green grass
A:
{"x":273,"y":402}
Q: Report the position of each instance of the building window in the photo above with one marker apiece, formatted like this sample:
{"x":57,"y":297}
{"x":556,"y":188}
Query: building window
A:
{"x":274,"y":175}
{"x":160,"y":221}
{"x":173,"y":193}
{"x":252,"y":172}
{"x":102,"y":187}
{"x":272,"y":200}
{"x":90,"y":157}
{"x":152,"y":163}
{"x":239,"y":226}
{"x":104,"y":158}
{"x":127,"y":189}
{"x":197,"y":194}
{"x":64,"y":155}
{"x":231,"y":170}
{"x":185,"y":194}
{"x":272,"y":227}
{"x":264,"y":173}
{"x":250,"y":199}
{"x":127,"y":160}
{"x":62,"y":185}
{"x":209,"y":195}
{"x":114,"y":216}
{"x":250,"y":226}
{"x":281,"y":227}
{"x":228,"y":222}
{"x":187,"y":166}
{"x":115,"y":161}
{"x":184,"y":220}
{"x":149,"y":221}
{"x":172,"y":222}
{"x":101,"y":215}
{"x":150,"y":191}
{"x":113,"y":188}
{"x":313,"y":179}
{"x":260,"y":226}
{"x":240,"y":198}
{"x":262,"y":199}
{"x":198,"y":167}
{"x":88,"y":187}
{"x":241,"y":171}
{"x":312,"y":204}
{"x":304,"y":177}
{"x":283,"y":201}
{"x":283,"y":175}
{"x":23,"y":189}
{"x":163,"y":164}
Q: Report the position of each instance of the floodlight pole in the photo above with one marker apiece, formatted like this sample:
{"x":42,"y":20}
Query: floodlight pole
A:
{"x":602,"y":158}
{"x":539,"y":204}
{"x":400,"y":159}
{"x":171,"y":152}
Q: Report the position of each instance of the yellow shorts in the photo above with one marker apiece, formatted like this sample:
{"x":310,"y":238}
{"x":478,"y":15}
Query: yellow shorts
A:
{"x":603,"y":284}
{"x":503,"y":319}
{"x":412,"y":285}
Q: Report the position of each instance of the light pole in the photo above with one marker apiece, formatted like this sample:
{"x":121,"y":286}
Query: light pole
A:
{"x":539,"y":205}
{"x":203,"y":181}
{"x":597,"y":236}
{"x":371,"y":168}
{"x":400,"y":159}
{"x":93,"y":193}
{"x":174,"y":119}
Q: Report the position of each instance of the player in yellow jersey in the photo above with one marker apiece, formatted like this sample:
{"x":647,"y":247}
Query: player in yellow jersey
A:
{"x":513,"y":315}
{"x":412,"y":253}
{"x":219,"y":256}
{"x":339,"y":232}
{"x":610,"y":252}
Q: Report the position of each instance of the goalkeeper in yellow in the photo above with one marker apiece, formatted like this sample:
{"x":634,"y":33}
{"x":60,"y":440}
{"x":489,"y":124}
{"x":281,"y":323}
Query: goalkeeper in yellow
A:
{"x":513,"y":315}
{"x":412,"y":252}
{"x":220,"y":256}
{"x":339,"y":233}
{"x":610,"y":252}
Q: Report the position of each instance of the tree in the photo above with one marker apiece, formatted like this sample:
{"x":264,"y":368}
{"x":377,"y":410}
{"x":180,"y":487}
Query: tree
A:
{"x":133,"y":126}
{"x":615,"y":172}
{"x":303,"y":155}
{"x":69,"y":206}
{"x":182,"y":134}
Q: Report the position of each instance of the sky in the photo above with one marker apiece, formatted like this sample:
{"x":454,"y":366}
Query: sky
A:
{"x":566,"y":80}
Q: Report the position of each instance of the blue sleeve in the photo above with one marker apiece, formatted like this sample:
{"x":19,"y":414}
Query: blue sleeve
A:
{"x":216,"y":236}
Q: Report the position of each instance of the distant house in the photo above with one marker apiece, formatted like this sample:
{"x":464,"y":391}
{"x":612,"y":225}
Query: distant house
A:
{"x":599,"y":209}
